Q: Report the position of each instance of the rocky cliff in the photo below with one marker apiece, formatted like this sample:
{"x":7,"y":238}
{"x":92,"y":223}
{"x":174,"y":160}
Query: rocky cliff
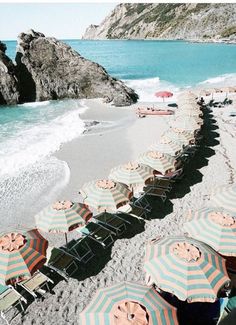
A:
{"x":49,"y":69}
{"x":8,"y":83}
{"x":167,"y":21}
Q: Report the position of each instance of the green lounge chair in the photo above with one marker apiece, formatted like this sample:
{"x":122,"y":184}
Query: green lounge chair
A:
{"x":98,"y":233}
{"x":80,"y":250}
{"x":9,"y":299}
{"x":133,"y":211}
{"x":112,"y":222}
{"x":61,"y":262}
{"x":37,"y":284}
{"x":158,"y":192}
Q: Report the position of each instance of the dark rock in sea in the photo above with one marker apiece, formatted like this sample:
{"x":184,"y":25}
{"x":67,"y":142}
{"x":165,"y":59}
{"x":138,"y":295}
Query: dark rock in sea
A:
{"x":8,"y":83}
{"x":50,"y":69}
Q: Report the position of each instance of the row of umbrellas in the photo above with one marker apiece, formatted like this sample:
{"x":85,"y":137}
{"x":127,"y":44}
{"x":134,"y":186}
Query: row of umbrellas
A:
{"x":180,"y":265}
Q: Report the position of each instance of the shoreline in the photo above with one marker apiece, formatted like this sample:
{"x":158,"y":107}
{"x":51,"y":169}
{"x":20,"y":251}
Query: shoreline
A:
{"x":124,"y":260}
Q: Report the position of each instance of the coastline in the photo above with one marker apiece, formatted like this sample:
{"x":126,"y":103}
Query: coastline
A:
{"x":90,"y":157}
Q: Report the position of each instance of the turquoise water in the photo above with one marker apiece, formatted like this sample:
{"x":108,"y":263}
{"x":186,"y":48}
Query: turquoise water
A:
{"x":177,"y":62}
{"x":30,"y":133}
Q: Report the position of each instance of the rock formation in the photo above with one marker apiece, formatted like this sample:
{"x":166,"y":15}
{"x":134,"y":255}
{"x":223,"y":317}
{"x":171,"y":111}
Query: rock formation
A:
{"x":188,"y":21}
{"x":49,"y":69}
{"x":8,"y":83}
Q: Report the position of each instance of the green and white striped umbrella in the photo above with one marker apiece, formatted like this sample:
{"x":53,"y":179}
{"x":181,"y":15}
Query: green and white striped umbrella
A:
{"x":185,"y":124}
{"x":215,"y":227}
{"x":189,"y":119}
{"x":133,"y":174}
{"x":181,"y":136}
{"x":168,"y":146}
{"x":62,"y":216}
{"x":225,"y":197}
{"x":159,"y":161}
{"x":185,"y":267}
{"x":105,"y":195}
{"x":128,"y":303}
{"x":21,"y":254}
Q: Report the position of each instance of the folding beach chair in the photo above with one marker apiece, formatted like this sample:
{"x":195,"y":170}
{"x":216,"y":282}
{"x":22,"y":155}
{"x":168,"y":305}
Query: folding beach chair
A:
{"x":37,"y":284}
{"x":98,"y":233}
{"x":80,"y":249}
{"x":174,"y":176}
{"x":133,"y":211}
{"x":112,"y":222}
{"x":158,"y":182}
{"x":140,"y":201}
{"x":9,"y":299}
{"x":61,"y":262}
{"x":158,"y":192}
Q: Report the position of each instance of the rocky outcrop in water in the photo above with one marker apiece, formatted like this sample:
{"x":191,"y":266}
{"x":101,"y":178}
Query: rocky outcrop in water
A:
{"x":188,"y":21}
{"x":8,"y":83}
{"x":50,"y":69}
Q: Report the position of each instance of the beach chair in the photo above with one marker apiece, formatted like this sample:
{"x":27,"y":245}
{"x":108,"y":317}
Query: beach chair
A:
{"x":158,"y":192}
{"x":140,"y":201}
{"x":165,"y":184}
{"x":98,"y":233}
{"x":80,"y":249}
{"x":174,"y":176}
{"x":133,"y":211}
{"x":112,"y":222}
{"x":10,"y":299}
{"x":37,"y":284}
{"x":60,"y":262}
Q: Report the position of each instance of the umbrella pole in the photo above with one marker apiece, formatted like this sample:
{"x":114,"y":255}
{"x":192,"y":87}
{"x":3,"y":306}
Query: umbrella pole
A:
{"x":66,"y":239}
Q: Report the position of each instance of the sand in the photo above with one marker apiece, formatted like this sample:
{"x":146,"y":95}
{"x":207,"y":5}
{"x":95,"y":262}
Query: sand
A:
{"x":91,"y":157}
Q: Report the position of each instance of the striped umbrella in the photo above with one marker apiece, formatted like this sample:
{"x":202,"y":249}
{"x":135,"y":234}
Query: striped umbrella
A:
{"x":105,"y":195}
{"x":185,"y":267}
{"x":184,"y":137}
{"x":185,"y":124}
{"x":128,"y":303}
{"x":133,"y":174}
{"x":159,"y":161}
{"x":21,"y":254}
{"x":62,"y":217}
{"x":225,"y":197}
{"x":168,"y":146}
{"x":189,"y":119}
{"x":215,"y":227}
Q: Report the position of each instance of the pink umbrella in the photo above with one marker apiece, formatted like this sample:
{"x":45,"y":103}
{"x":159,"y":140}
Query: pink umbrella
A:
{"x":163,"y":94}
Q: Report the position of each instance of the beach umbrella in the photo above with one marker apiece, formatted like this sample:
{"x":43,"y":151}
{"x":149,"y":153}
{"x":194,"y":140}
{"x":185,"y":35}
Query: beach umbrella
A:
{"x":128,"y":303}
{"x":105,"y":195}
{"x":181,"y":136}
{"x":21,"y":254}
{"x":168,"y":146}
{"x":185,"y":124}
{"x":224,"y":197}
{"x":187,"y":95}
{"x":215,"y":227}
{"x":159,"y":161}
{"x":185,"y":267}
{"x":189,"y":119}
{"x":63,"y":217}
{"x":133,"y":174}
{"x":163,"y":94}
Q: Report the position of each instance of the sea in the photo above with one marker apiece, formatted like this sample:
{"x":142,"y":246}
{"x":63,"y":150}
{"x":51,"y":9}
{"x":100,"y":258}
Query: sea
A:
{"x":30,"y":133}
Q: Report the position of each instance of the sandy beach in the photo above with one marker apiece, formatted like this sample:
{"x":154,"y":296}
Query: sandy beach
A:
{"x":118,"y":138}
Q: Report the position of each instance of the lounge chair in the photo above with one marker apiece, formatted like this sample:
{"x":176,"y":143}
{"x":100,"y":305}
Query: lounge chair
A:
{"x":37,"y":284}
{"x":111,"y":221}
{"x":174,"y":176}
{"x":158,"y":192}
{"x":80,"y":250}
{"x":133,"y":211}
{"x":61,"y":262}
{"x":165,"y":184}
{"x":9,"y":299}
{"x":139,"y":201}
{"x":98,"y":233}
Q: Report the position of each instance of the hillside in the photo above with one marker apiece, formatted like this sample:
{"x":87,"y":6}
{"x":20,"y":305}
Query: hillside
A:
{"x":167,"y":21}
